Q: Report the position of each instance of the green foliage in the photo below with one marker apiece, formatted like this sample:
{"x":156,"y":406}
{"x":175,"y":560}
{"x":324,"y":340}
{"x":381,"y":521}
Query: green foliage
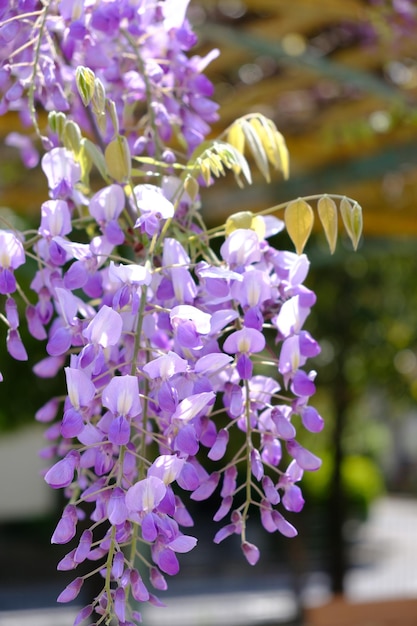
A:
{"x":362,"y":481}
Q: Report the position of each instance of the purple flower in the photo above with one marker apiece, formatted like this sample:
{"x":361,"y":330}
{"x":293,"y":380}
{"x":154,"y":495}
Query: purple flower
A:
{"x":121,"y":396}
{"x":66,"y":526}
{"x":145,"y":495}
{"x":244,"y":341}
{"x":62,"y":171}
{"x":55,"y":219}
{"x":105,"y":328}
{"x":12,"y":255}
{"x":251,"y":552}
{"x":106,"y":206}
{"x":62,"y":473}
{"x":165,"y":366}
{"x":71,"y":591}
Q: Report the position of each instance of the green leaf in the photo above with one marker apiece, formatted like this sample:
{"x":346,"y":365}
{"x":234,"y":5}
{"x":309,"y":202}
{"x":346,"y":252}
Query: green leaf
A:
{"x":327,"y":211}
{"x":96,"y":157}
{"x":352,"y":220}
{"x":299,"y":219}
{"x":72,"y":136}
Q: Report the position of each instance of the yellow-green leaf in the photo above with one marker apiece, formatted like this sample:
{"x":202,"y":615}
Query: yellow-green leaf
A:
{"x":299,"y":219}
{"x":255,"y":146}
{"x":191,"y":187}
{"x":117,"y":158}
{"x":236,"y":137}
{"x":72,"y":136}
{"x":205,"y":171}
{"x":265,"y":133}
{"x":245,"y":219}
{"x":327,"y":211}
{"x":95,"y":155}
{"x":283,"y":154}
{"x":352,"y":219}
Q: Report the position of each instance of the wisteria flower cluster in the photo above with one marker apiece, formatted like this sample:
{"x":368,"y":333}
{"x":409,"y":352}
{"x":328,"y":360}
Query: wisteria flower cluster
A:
{"x":177,"y":360}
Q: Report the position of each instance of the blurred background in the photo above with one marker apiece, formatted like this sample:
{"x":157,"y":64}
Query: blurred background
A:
{"x":339,"y":79}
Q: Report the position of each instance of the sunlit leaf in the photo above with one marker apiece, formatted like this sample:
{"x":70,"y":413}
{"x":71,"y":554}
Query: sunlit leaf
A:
{"x":191,"y":187}
{"x":217,"y":156}
{"x":236,"y":137}
{"x":205,"y":171}
{"x":299,"y":219}
{"x":283,"y":153}
{"x":245,"y":219}
{"x":327,"y":211}
{"x":352,"y":220}
{"x":117,"y":157}
{"x":272,"y":142}
{"x":256,"y":148}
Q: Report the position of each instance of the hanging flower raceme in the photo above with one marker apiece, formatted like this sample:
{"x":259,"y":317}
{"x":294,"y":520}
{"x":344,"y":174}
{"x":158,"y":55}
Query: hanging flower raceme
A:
{"x":174,"y":357}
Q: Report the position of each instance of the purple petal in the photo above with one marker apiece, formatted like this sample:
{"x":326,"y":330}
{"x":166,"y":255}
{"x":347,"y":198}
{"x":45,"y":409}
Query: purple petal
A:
{"x":60,"y":342}
{"x":284,"y":527}
{"x":244,"y":367}
{"x":7,"y":281}
{"x":145,"y":495}
{"x":305,"y":459}
{"x":139,"y":591}
{"x":48,"y":411}
{"x":257,"y":467}
{"x":48,"y":367}
{"x":121,"y":396}
{"x":219,"y":448}
{"x":15,"y":346}
{"x":35,"y":325}
{"x":270,"y":490}
{"x":183,"y":543}
{"x":168,"y":562}
{"x":81,"y":390}
{"x":72,"y":424}
{"x":84,"y":546}
{"x":62,"y":473}
{"x":71,"y":591}
{"x":116,"y":508}
{"x":293,"y":499}
{"x":302,"y":385}
{"x":66,"y":527}
{"x":157,"y":579}
{"x":191,"y":406}
{"x":119,"y":431}
{"x":246,"y":340}
{"x":311,"y":419}
{"x":120,"y":604}
{"x":251,"y":552}
{"x":186,"y":441}
{"x":206,"y":488}
{"x":224,"y":508}
{"x":105,"y":328}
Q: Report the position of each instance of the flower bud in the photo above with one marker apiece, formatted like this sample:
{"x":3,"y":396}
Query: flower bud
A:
{"x":85,"y":80}
{"x":117,"y":157}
